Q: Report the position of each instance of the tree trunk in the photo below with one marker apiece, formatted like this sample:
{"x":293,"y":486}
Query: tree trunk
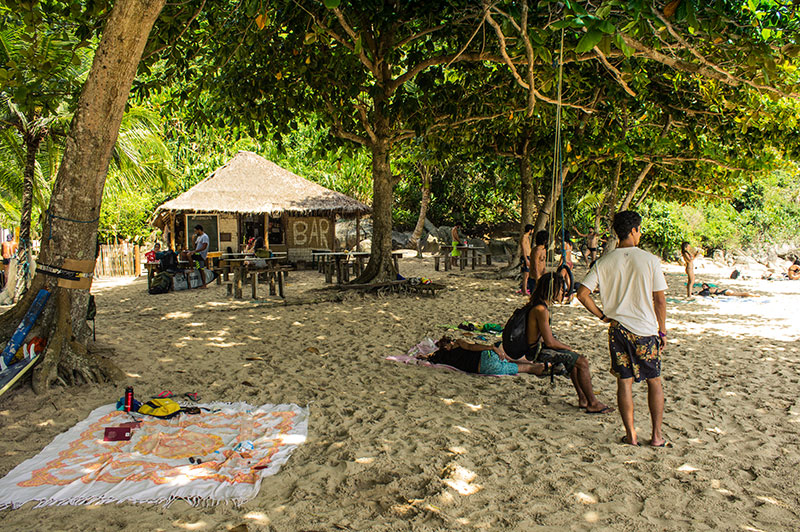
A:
{"x":644,"y":193}
{"x":549,"y":203}
{"x":611,"y":245}
{"x":69,"y":231}
{"x":527,"y":201}
{"x":32,"y":142}
{"x":380,"y":267}
{"x":632,"y":192}
{"x":423,"y":209}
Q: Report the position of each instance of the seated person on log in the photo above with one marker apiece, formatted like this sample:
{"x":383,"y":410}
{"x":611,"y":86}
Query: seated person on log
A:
{"x":549,"y":350}
{"x":708,"y":291}
{"x":477,"y":358}
{"x":201,"y":241}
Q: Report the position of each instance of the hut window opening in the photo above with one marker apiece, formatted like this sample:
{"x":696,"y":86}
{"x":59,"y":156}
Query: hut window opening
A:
{"x":275,"y":231}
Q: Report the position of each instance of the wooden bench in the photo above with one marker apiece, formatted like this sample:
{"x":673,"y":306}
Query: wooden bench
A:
{"x":437,"y":258}
{"x":273,"y":275}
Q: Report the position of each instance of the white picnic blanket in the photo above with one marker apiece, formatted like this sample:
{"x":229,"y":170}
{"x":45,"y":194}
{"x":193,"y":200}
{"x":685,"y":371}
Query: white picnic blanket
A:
{"x":236,"y":445}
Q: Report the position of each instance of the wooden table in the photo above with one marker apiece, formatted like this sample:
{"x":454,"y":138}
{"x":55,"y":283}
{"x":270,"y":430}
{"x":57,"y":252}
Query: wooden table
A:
{"x":241,"y":272}
{"x":151,"y":267}
{"x":467,"y":252}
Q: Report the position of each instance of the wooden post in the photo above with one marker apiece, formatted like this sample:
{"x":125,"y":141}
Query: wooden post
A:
{"x":172,"y":231}
{"x":266,"y":231}
{"x":358,"y":231}
{"x":137,"y":261}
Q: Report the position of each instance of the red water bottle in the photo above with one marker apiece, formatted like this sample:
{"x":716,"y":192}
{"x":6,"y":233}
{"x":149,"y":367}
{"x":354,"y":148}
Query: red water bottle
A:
{"x":128,"y":398}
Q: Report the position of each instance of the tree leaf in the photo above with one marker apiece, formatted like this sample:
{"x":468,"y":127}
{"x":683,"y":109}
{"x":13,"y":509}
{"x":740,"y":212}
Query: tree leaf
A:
{"x":589,"y":41}
{"x":331,"y":4}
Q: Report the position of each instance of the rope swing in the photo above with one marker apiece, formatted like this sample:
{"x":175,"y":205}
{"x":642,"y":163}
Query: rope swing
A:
{"x":558,"y":172}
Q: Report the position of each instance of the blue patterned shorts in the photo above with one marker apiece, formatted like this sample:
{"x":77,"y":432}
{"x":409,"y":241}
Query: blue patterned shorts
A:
{"x":492,"y":365}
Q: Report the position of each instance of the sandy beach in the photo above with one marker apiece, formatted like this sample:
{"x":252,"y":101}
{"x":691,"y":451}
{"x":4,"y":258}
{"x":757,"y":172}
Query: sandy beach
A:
{"x":393,"y":447}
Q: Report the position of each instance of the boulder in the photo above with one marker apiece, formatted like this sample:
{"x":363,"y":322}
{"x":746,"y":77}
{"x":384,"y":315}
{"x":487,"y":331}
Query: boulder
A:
{"x":400,"y":239}
{"x":365,"y":245}
{"x":346,"y":232}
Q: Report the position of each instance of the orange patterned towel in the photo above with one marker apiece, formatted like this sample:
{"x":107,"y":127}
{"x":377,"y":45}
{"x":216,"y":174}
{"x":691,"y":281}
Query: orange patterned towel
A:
{"x":219,"y":455}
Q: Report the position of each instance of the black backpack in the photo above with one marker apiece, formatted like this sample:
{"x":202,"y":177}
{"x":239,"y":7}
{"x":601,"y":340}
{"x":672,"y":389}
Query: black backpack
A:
{"x":168,"y":262}
{"x":161,"y":283}
{"x":515,"y":334}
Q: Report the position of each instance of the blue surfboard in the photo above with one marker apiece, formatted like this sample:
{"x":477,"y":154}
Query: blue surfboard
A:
{"x":10,"y":375}
{"x":18,"y":338}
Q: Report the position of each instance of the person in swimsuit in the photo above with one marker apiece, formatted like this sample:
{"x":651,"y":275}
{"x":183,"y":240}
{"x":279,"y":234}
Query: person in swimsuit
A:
{"x":525,"y":258}
{"x":689,"y":254}
{"x":477,"y":358}
{"x":708,"y":291}
{"x":538,"y":257}
{"x":591,"y":243}
{"x":550,"y":350}
{"x":456,"y":239}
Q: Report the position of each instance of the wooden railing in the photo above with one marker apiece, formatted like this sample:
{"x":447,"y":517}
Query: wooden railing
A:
{"x":119,"y":260}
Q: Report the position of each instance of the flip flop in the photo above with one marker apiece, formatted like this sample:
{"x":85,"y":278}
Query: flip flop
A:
{"x":193,"y":396}
{"x":624,"y":441}
{"x":164,"y":395}
{"x":666,"y":445}
{"x":606,"y":410}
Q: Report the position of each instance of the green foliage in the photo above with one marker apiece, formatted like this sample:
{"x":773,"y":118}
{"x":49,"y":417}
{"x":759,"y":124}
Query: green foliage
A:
{"x":126,"y":215}
{"x":664,"y":227}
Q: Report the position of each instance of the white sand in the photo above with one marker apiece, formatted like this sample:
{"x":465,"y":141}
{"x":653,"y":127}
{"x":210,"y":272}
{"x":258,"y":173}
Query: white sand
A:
{"x":395,"y":447}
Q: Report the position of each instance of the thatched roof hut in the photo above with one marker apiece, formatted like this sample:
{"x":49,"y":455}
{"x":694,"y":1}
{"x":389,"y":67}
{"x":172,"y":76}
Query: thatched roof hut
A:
{"x":249,"y":187}
{"x":248,"y":183}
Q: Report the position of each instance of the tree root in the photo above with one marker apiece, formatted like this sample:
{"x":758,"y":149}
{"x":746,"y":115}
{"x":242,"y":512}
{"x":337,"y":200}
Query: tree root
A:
{"x":67,"y":361}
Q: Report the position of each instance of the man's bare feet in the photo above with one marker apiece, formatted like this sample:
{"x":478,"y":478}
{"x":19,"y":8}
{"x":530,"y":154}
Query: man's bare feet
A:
{"x":599,"y":408}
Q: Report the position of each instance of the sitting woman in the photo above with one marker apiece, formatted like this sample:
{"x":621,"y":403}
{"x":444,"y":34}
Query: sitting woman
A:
{"x":549,"y":350}
{"x":707,"y":291}
{"x":477,"y":358}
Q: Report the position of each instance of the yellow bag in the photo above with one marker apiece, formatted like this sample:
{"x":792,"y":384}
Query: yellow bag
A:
{"x":163,"y":408}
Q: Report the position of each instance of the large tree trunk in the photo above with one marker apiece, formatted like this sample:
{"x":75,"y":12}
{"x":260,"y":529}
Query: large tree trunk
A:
{"x":380,"y":266}
{"x":70,"y":229}
{"x":527,"y":204}
{"x":423,"y":209}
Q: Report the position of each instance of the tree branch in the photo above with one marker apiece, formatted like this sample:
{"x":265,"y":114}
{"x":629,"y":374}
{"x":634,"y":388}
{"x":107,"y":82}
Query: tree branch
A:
{"x":616,"y":73}
{"x":176,"y":39}
{"x":349,"y":30}
{"x":702,"y":70}
{"x":503,"y":51}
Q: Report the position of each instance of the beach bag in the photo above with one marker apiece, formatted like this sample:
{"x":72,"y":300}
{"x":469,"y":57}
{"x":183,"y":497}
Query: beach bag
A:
{"x":515,"y":334}
{"x":163,"y":408}
{"x":180,"y":282}
{"x":161,"y":283}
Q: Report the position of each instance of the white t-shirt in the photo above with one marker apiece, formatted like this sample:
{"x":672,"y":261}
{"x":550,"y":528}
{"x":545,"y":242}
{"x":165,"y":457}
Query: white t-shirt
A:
{"x":627,"y":278}
{"x":198,"y":242}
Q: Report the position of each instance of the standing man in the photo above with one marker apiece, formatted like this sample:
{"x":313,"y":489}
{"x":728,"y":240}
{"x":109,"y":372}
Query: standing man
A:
{"x":539,"y":256}
{"x":632,"y":289}
{"x":525,"y":258}
{"x":456,"y":238}
{"x":9,"y":248}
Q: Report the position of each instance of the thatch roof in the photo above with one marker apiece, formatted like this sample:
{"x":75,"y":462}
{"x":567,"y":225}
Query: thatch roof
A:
{"x":250,"y":184}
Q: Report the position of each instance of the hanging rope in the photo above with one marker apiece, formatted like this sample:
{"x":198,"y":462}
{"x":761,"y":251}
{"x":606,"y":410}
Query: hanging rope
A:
{"x":52,"y":216}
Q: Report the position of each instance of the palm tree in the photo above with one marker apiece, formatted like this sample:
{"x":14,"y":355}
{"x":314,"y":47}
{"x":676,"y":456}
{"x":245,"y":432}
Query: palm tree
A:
{"x":35,"y":114}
